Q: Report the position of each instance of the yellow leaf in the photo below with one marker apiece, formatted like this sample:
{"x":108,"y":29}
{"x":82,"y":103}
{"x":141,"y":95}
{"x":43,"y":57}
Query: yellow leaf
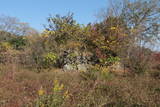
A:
{"x":40,"y":92}
{"x":113,"y":28}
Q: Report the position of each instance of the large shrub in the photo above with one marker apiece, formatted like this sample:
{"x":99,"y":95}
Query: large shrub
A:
{"x":18,"y":42}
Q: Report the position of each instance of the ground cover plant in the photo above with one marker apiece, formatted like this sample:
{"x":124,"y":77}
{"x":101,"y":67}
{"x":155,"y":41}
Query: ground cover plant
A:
{"x":109,"y":63}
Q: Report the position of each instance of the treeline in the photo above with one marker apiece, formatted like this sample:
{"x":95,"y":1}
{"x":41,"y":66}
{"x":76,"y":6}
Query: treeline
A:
{"x":126,"y":35}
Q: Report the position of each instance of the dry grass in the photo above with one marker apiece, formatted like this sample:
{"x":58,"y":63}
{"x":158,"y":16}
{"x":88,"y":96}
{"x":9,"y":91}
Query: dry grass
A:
{"x":18,"y":89}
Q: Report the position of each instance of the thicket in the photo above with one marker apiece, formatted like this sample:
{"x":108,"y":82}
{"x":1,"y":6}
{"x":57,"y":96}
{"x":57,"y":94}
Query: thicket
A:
{"x":124,"y":37}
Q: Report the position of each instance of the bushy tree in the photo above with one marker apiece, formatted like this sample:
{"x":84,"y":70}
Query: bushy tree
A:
{"x":64,"y":36}
{"x":106,"y":39}
{"x":139,"y":23}
{"x":78,"y":44}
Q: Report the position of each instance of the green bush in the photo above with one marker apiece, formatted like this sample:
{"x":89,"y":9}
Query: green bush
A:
{"x":109,"y":61}
{"x":49,"y":60}
{"x":18,"y":42}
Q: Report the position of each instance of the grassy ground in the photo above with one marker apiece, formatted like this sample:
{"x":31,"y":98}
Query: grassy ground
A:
{"x":19,"y":88}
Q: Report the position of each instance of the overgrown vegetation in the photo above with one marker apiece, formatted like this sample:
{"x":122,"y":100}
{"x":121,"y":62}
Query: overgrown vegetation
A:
{"x":110,"y":63}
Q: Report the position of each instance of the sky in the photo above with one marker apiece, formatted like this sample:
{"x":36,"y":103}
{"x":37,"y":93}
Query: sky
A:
{"x":35,"y":12}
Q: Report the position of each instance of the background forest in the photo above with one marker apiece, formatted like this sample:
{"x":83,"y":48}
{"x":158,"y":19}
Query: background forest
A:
{"x":109,"y":63}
